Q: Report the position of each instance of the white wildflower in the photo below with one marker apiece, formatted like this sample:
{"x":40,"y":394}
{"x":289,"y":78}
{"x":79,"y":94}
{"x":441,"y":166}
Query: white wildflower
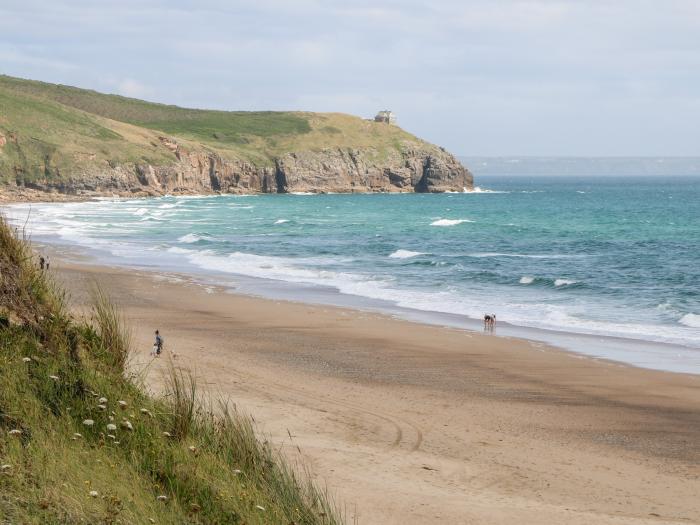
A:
{"x":102,"y":400}
{"x":192,"y":448}
{"x":26,"y":359}
{"x":127,"y":425}
{"x":167,"y":434}
{"x":88,"y":422}
{"x":111,"y":427}
{"x":123,"y":404}
{"x":15,"y":432}
{"x":77,"y":435}
{"x":102,"y":407}
{"x":111,"y":418}
{"x":55,"y":378}
{"x":162,"y":498}
{"x":5,"y":467}
{"x":93,"y":494}
{"x":260,"y":507}
{"x":236,"y":471}
{"x":111,"y":436}
{"x":145,"y":411}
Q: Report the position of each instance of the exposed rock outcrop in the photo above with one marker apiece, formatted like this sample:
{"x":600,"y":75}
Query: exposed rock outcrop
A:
{"x":333,"y":170}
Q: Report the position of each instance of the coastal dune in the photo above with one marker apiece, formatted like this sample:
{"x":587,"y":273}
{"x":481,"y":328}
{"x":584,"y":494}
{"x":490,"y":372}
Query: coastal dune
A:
{"x":415,"y":424}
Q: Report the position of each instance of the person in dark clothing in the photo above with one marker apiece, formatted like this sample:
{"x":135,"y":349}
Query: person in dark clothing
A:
{"x":42,"y":262}
{"x":159,"y":343}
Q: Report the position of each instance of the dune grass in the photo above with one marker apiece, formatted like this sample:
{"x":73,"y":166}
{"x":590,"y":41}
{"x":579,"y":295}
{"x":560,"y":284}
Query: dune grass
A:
{"x":80,"y":442}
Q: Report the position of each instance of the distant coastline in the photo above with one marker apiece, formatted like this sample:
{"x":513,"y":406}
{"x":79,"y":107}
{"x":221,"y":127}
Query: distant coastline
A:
{"x":582,"y":166}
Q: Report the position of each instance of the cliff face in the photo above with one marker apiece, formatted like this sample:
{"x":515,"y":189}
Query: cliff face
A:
{"x":70,"y":141}
{"x":338,"y":170}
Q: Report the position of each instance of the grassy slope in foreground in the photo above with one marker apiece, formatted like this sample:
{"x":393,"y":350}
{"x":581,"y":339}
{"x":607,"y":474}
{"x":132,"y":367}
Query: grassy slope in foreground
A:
{"x":177,"y":463}
{"x":72,"y":128}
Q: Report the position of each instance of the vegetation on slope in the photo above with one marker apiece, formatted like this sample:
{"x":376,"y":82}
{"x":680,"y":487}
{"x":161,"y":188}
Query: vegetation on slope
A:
{"x":82,"y":443}
{"x":61,"y":126}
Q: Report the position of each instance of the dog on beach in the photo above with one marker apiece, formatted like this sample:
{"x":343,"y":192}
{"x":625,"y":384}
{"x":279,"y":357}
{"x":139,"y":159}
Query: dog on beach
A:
{"x":489,"y":321}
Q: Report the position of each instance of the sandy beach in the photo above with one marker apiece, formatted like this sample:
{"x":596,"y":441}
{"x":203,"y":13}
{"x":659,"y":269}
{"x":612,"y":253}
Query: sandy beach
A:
{"x":413,"y":424}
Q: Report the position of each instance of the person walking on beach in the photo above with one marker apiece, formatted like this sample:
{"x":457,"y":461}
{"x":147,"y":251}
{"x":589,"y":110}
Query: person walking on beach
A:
{"x":42,"y":262}
{"x":158,"y":345}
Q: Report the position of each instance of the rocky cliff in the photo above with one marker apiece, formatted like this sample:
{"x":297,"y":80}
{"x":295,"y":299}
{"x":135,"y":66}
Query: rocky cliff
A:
{"x":71,"y":141}
{"x":338,"y":170}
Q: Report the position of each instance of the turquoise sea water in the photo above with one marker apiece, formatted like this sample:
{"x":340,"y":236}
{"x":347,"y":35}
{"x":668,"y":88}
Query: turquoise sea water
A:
{"x":604,"y":256}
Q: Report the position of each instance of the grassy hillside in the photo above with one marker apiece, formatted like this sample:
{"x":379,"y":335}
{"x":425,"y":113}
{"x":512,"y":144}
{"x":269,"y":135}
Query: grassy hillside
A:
{"x":82,"y":443}
{"x":70,"y":128}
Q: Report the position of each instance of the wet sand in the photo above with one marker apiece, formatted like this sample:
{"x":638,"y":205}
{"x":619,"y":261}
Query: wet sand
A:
{"x":412,"y":424}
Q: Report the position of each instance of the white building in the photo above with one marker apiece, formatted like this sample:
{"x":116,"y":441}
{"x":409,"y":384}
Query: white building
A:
{"x":386,"y":116}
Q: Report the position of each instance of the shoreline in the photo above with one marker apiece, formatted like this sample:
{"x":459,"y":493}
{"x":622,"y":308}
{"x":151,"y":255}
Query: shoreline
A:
{"x":660,"y":356}
{"x":410,"y":423}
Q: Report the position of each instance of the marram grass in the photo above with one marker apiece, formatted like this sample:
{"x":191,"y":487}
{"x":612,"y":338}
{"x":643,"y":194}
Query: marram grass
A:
{"x":82,"y":443}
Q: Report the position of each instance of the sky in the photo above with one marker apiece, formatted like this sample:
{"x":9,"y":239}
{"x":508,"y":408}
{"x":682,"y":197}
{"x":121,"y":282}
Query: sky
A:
{"x":479,"y":77}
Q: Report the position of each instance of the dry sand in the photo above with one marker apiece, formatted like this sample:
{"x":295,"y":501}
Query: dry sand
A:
{"x":413,"y":424}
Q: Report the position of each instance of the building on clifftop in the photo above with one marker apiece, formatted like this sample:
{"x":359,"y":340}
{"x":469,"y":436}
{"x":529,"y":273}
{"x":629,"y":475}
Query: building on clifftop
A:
{"x":385,"y":116}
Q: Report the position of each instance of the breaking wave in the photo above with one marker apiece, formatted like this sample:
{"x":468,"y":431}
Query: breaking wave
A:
{"x":404,"y":254}
{"x":449,"y":222}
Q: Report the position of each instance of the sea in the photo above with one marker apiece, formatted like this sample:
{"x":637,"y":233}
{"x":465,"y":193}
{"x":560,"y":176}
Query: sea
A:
{"x":604,"y":265}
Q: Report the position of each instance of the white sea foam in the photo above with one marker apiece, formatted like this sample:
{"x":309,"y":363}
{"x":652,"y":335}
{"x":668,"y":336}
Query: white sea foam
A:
{"x":90,"y":224}
{"x":193,"y":197}
{"x":302,"y":193}
{"x":191,"y":238}
{"x":141,"y":211}
{"x":692,"y":320}
{"x":281,"y":221}
{"x":527,"y":280}
{"x":404,"y":254}
{"x":449,"y":222}
{"x":180,"y":251}
{"x":477,"y":189}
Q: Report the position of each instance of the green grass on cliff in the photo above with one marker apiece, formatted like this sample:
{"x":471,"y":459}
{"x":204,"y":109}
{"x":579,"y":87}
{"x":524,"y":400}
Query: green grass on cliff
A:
{"x":166,"y":460}
{"x":61,"y":130}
